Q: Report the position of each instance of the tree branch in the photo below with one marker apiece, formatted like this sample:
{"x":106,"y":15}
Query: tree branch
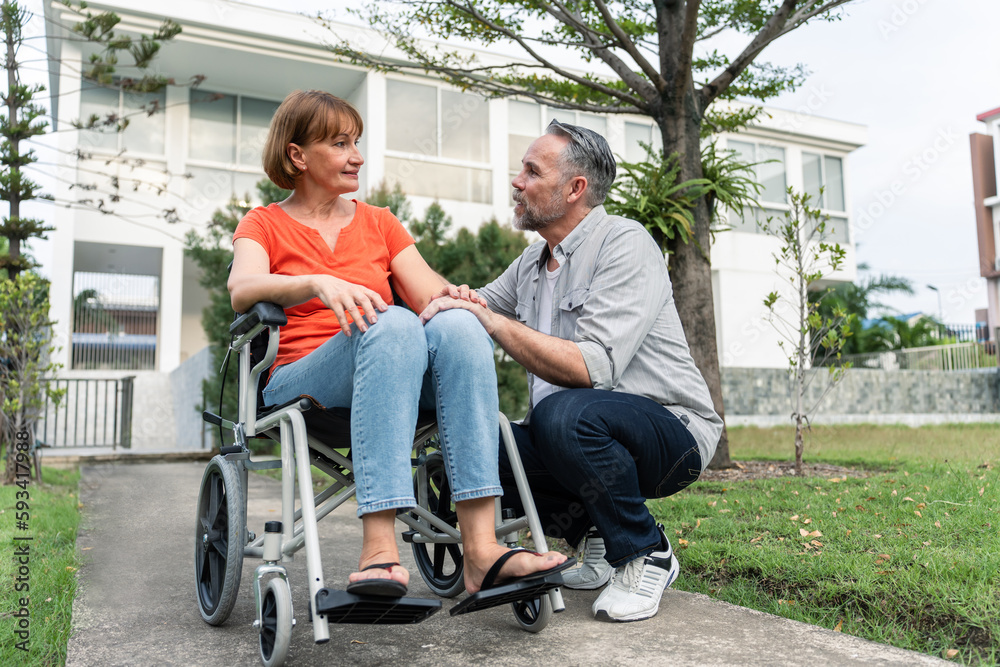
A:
{"x":783,"y":21}
{"x":591,"y":39}
{"x":630,"y":47}
{"x":688,"y":37}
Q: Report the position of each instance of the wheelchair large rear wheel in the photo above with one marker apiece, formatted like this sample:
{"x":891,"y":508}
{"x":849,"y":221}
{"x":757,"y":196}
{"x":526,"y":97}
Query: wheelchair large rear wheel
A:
{"x":440,"y":565}
{"x":275,"y":623}
{"x":533,"y":615}
{"x":219,"y":540}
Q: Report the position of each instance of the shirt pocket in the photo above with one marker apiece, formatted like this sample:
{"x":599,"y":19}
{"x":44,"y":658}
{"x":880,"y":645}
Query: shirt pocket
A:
{"x":570,"y":308}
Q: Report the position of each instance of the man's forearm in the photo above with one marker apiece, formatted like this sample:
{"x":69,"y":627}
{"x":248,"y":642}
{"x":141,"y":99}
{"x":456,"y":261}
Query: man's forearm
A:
{"x":553,"y":359}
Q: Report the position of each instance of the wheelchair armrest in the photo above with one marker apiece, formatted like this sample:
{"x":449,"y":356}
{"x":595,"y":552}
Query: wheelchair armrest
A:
{"x":264,"y":312}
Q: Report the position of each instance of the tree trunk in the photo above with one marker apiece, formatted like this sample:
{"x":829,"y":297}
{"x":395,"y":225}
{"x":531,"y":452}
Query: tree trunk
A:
{"x":690,"y":264}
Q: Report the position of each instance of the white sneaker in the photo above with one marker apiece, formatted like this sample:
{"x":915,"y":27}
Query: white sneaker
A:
{"x":635,"y":590}
{"x":594,"y":571}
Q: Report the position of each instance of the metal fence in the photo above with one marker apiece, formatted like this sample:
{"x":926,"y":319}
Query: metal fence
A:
{"x":115,"y":321}
{"x":954,"y":357}
{"x":91,"y":413}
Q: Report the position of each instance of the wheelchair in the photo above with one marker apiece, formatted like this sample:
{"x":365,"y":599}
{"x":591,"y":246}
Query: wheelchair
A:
{"x":310,"y":435}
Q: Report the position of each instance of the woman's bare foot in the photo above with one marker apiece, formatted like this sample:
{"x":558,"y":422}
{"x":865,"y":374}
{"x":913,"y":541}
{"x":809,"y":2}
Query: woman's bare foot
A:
{"x":478,"y":563}
{"x":394,"y":572}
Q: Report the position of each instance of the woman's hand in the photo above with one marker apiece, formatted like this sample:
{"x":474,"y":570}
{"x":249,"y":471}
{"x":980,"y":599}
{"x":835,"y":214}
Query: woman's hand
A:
{"x":345,"y":298}
{"x":462,"y":292}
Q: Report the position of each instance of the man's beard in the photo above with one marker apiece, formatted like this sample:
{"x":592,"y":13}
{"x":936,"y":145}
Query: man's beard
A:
{"x":536,"y":218}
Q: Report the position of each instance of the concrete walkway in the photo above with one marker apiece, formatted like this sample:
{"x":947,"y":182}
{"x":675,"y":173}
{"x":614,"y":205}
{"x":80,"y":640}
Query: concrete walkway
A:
{"x":136,"y":602}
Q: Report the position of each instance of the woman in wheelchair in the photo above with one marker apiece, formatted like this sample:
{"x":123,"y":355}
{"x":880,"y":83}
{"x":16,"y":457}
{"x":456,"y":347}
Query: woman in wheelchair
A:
{"x":327,"y":259}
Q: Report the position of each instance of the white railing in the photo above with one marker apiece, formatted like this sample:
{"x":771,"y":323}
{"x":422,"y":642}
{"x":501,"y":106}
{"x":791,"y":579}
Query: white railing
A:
{"x":954,"y":357}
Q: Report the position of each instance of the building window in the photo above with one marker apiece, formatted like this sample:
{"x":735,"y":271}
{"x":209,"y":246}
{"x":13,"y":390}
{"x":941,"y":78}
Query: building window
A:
{"x":228,"y":129}
{"x":115,"y":321}
{"x":437,"y":142}
{"x":144,"y":133}
{"x":827,"y":173}
{"x":641,"y":132}
{"x":770,"y":171}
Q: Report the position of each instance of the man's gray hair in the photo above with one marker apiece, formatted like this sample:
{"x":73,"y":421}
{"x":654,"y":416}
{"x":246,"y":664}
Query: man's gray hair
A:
{"x":587,"y":154}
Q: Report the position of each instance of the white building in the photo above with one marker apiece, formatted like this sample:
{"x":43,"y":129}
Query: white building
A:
{"x":437,"y":142}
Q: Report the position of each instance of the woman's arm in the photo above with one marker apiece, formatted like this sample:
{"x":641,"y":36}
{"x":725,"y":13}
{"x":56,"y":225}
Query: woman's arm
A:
{"x":415,"y":281}
{"x":251,"y":281}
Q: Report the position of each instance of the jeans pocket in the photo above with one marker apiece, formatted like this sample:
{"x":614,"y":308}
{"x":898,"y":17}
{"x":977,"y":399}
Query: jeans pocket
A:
{"x":685,"y":471}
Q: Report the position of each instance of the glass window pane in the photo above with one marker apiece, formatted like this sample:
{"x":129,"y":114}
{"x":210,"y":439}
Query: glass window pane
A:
{"x":411,"y":118}
{"x":517,"y":146}
{"x":523,"y":128}
{"x":255,"y":117}
{"x":596,"y":123}
{"x":145,"y":133}
{"x":465,"y":127}
{"x":744,"y":151}
{"x":441,"y":181}
{"x":837,"y":230}
{"x":97,"y":101}
{"x":213,"y":127}
{"x":634,"y":133}
{"x":812,"y":178}
{"x":834,"y":184}
{"x":209,"y":190}
{"x":522,"y":118}
{"x":771,"y":174}
{"x":562,"y":115}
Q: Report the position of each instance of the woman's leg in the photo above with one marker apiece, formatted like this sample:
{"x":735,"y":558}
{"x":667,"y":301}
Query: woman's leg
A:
{"x":461,"y":385}
{"x":379,"y":375}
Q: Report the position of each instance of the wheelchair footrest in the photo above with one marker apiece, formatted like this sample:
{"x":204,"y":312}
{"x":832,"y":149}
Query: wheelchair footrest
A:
{"x":507,"y":594}
{"x":344,"y":607}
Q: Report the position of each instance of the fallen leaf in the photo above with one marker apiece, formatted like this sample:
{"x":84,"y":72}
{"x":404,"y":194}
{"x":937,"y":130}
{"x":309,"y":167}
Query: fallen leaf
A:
{"x":794,"y":518}
{"x":712,"y":504}
{"x":683,"y":543}
{"x":917,"y":512}
{"x":839,"y":627}
{"x":357,"y":641}
{"x":951,"y":653}
{"x":878,"y":537}
{"x":756,"y":539}
{"x":894,"y":492}
{"x":816,"y":543}
{"x":724,"y":511}
{"x":807,"y":521}
{"x":910,"y":499}
{"x":937,"y":524}
{"x":815,"y":533}
{"x":921,"y":506}
{"x":86,"y":548}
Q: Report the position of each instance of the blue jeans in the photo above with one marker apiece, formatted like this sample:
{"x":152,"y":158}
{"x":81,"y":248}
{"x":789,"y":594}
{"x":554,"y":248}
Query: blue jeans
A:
{"x":385,"y":376}
{"x":593,"y":457}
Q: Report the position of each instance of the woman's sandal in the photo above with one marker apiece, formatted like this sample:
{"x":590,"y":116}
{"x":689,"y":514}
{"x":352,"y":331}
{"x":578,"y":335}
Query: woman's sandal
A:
{"x":494,"y":593}
{"x":389,"y":588}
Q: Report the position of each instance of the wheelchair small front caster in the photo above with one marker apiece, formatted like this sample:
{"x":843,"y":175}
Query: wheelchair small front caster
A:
{"x":275,"y":622}
{"x":533,"y":615}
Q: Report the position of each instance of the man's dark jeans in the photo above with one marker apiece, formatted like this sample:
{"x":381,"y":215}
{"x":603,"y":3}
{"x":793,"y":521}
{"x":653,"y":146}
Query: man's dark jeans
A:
{"x":593,"y":457}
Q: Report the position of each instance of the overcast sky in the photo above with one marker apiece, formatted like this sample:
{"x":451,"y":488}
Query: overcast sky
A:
{"x":916,"y":73}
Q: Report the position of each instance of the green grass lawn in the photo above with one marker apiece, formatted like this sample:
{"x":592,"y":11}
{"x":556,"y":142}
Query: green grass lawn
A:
{"x":53,"y":564}
{"x":908,"y":556}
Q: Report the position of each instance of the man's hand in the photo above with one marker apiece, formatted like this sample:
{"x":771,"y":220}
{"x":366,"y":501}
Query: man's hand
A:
{"x":473,"y":304}
{"x":463,"y":292}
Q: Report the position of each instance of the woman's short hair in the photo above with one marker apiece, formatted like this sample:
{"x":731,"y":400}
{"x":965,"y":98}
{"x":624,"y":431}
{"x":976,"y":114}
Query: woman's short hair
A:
{"x":303,"y":118}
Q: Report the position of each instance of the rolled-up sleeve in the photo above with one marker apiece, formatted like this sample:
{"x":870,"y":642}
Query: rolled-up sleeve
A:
{"x":620,"y":306}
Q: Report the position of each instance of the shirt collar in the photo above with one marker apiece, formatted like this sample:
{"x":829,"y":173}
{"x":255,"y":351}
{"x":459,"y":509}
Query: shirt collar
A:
{"x":573,"y":240}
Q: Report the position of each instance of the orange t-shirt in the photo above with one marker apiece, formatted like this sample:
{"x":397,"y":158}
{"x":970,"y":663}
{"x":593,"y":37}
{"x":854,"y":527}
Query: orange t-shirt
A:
{"x":362,"y":255}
